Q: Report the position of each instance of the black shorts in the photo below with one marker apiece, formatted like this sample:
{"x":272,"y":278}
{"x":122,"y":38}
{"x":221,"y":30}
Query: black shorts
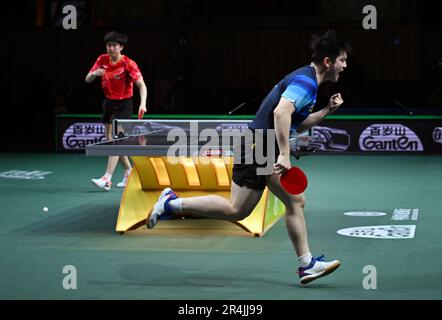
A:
{"x":245,"y":173}
{"x":116,"y":109}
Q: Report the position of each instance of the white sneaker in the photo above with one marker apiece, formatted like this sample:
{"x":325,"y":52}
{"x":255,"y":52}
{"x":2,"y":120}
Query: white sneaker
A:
{"x":161,"y":208}
{"x":102,"y":183}
{"x":123,"y":183}
{"x":316,"y":269}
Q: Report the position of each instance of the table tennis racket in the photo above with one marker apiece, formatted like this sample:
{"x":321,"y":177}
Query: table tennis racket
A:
{"x":294,"y":181}
{"x":140,"y":114}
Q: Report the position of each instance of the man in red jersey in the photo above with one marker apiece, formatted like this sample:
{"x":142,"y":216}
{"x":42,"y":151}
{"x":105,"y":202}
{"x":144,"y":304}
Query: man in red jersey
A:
{"x":118,"y":74}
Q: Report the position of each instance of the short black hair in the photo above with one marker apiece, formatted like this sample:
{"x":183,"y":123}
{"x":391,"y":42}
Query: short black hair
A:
{"x":329,"y":45}
{"x":114,"y":36}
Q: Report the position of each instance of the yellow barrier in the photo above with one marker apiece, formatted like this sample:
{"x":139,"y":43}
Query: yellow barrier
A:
{"x":189,"y":177}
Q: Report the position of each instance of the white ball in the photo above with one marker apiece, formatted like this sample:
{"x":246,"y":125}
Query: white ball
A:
{"x":45,"y":209}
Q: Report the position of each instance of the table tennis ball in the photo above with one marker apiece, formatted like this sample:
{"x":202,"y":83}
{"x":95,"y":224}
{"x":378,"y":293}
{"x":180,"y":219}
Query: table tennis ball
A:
{"x":45,"y":209}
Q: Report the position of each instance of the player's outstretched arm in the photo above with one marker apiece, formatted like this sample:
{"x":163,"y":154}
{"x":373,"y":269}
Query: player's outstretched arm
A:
{"x":143,"y":94}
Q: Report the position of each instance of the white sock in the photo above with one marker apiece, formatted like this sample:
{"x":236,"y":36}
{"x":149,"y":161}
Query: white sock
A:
{"x":108,"y":176}
{"x":176,"y":206}
{"x":305,"y":260}
{"x":127,"y":172}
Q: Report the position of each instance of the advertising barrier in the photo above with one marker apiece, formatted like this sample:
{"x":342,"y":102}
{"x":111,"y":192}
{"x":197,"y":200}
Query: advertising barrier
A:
{"x":336,"y":134}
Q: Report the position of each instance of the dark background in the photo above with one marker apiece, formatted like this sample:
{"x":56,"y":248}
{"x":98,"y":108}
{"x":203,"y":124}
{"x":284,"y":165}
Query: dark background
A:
{"x":231,"y":51}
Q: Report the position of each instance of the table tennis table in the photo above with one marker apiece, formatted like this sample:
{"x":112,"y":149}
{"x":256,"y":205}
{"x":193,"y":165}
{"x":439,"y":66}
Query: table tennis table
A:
{"x":176,"y":154}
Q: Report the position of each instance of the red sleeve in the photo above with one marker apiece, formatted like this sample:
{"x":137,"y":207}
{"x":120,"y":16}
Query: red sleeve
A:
{"x":97,"y":64}
{"x":134,"y":71}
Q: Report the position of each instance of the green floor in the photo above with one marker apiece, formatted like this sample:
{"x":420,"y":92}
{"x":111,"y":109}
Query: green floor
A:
{"x":78,"y":230}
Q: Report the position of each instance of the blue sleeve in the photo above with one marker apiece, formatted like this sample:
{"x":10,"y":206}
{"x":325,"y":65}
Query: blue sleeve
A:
{"x":298,"y":95}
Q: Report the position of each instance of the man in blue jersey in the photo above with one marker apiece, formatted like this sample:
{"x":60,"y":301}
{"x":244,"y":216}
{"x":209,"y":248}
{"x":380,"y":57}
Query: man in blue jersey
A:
{"x":287,"y":106}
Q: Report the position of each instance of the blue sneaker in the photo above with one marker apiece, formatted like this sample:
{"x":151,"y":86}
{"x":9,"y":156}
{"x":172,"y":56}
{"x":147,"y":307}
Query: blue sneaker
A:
{"x":161,"y":209}
{"x":317,"y":269}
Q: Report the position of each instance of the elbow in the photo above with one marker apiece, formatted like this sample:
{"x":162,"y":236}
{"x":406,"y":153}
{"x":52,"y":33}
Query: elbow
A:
{"x":283,"y":111}
{"x":277,"y":113}
{"x":281,"y":116}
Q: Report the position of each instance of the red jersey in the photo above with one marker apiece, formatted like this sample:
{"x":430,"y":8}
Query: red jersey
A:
{"x":117,"y":82}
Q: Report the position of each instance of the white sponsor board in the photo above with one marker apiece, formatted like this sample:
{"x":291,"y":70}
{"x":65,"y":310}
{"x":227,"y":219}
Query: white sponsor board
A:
{"x":80,"y":134}
{"x":389,"y":137}
{"x":21,"y":174}
{"x":415,"y":214}
{"x":405,"y":214}
{"x":401,"y":214}
{"x":365,"y":214}
{"x":380,"y":232}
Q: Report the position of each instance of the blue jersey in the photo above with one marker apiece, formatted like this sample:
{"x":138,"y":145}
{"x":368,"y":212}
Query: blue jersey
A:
{"x":300,"y":87}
